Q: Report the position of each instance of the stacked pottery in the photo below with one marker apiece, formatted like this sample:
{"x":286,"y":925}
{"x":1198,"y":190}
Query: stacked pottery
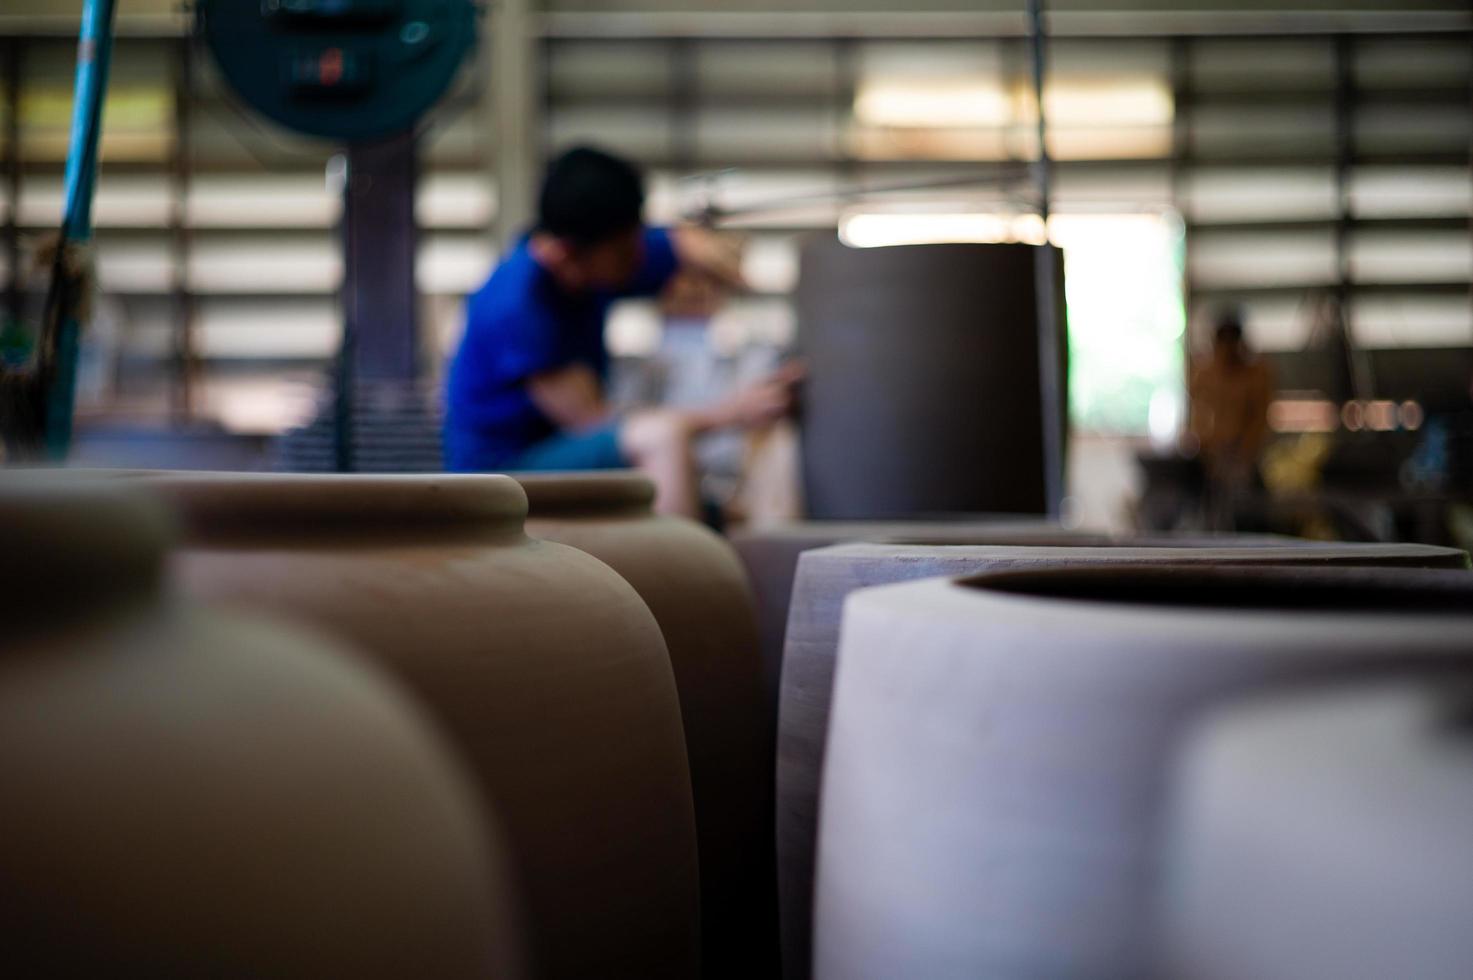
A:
{"x":187,"y":794}
{"x":770,"y":555}
{"x":542,"y":664}
{"x":999,"y":746}
{"x":697,"y":591}
{"x":1323,"y":836}
{"x":825,"y":578}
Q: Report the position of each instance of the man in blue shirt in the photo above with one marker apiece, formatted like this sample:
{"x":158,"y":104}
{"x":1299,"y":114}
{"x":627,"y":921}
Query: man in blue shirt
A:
{"x":526,"y":386}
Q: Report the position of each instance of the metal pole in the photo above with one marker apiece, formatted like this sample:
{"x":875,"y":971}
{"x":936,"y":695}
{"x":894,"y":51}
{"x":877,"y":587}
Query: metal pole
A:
{"x":180,"y":239}
{"x":380,"y":330}
{"x":1052,"y":340}
{"x":514,"y":81}
{"x":1042,"y":166}
{"x":59,"y":353}
{"x":12,"y":177}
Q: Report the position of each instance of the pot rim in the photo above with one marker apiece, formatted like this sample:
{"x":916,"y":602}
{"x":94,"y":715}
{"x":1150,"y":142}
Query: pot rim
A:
{"x":210,"y":502}
{"x":1279,"y":588}
{"x":575,"y":492}
{"x":80,"y":544}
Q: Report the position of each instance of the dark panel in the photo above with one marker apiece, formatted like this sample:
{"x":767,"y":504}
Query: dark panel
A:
{"x":379,"y":237}
{"x":923,"y":394}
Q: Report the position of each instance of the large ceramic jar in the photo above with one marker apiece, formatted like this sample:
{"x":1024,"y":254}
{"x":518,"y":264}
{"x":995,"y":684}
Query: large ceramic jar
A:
{"x":770,"y":555}
{"x":697,"y":590}
{"x":826,"y":576}
{"x":1325,"y":835}
{"x":543,"y":665}
{"x":187,"y":794}
{"x":999,"y":745}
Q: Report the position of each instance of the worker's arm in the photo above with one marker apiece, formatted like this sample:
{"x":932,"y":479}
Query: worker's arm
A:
{"x":571,"y":396}
{"x":754,"y":406}
{"x":704,"y":251}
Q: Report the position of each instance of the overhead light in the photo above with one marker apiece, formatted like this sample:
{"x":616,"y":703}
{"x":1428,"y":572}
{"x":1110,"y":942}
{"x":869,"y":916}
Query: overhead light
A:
{"x":1104,"y":102}
{"x":961,"y":103}
{"x":870,"y":229}
{"x":923,"y":103}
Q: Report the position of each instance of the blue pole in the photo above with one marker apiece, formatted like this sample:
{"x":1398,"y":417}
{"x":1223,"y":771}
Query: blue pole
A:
{"x":94,"y":53}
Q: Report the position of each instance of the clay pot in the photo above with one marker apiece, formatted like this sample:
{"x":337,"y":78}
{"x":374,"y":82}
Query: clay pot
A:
{"x":998,"y":745}
{"x":188,"y":794}
{"x":826,"y":576}
{"x":771,"y":558}
{"x":899,"y":338}
{"x":542,"y":664}
{"x":1325,"y":836}
{"x":698,"y":593}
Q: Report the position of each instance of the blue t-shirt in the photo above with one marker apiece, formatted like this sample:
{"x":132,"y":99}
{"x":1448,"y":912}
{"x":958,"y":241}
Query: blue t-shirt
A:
{"x":520,"y":324}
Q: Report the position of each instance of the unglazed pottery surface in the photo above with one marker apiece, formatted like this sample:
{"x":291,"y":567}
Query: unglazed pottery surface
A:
{"x":1323,"y":836}
{"x":543,"y":665}
{"x":998,"y":746}
{"x":187,"y":794}
{"x":696,"y":589}
{"x":826,"y":576}
{"x":770,"y":555}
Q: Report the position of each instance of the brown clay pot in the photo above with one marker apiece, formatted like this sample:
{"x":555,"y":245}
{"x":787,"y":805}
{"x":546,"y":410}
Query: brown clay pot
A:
{"x":698,"y":592}
{"x":544,"y":666}
{"x":188,"y":794}
{"x":1324,"y":835}
{"x":999,"y":745}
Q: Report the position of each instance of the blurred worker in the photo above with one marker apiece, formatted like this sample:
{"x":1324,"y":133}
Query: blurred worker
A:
{"x":1230,"y":393}
{"x":526,"y":388}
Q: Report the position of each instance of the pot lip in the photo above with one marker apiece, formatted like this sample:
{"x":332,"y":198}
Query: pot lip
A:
{"x":360,"y":503}
{"x":597,"y":491}
{"x":76,"y":543}
{"x":1298,"y":589}
{"x":1308,"y":554}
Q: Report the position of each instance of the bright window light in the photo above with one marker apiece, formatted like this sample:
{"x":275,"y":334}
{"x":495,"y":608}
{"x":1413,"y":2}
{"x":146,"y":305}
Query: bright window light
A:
{"x":932,"y":102}
{"x":975,"y":102}
{"x":1123,"y":291}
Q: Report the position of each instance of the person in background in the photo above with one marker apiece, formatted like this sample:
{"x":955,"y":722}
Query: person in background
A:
{"x":526,"y":387}
{"x":1230,"y":390}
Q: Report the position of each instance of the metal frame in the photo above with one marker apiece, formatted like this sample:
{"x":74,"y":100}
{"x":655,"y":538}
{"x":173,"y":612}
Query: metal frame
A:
{"x":516,"y":93}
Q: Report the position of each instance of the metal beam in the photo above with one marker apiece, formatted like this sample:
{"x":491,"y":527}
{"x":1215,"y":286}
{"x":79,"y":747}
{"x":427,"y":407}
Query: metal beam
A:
{"x":956,"y":25}
{"x":186,"y":361}
{"x":1052,"y":360}
{"x":13,"y":49}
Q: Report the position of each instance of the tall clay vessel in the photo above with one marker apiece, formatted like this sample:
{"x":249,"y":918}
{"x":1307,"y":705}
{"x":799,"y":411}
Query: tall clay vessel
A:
{"x":543,"y":665}
{"x":926,"y":392}
{"x":827,"y":576}
{"x":1324,"y":835}
{"x":188,"y":794}
{"x":698,"y":593}
{"x":999,"y":746}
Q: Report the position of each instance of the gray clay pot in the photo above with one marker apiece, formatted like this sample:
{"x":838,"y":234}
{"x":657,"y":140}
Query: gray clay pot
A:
{"x":825,"y":578}
{"x":999,"y":745}
{"x":1323,"y":836}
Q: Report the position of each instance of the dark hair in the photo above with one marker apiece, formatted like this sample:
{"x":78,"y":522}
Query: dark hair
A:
{"x":589,"y":196}
{"x":1228,"y":326}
